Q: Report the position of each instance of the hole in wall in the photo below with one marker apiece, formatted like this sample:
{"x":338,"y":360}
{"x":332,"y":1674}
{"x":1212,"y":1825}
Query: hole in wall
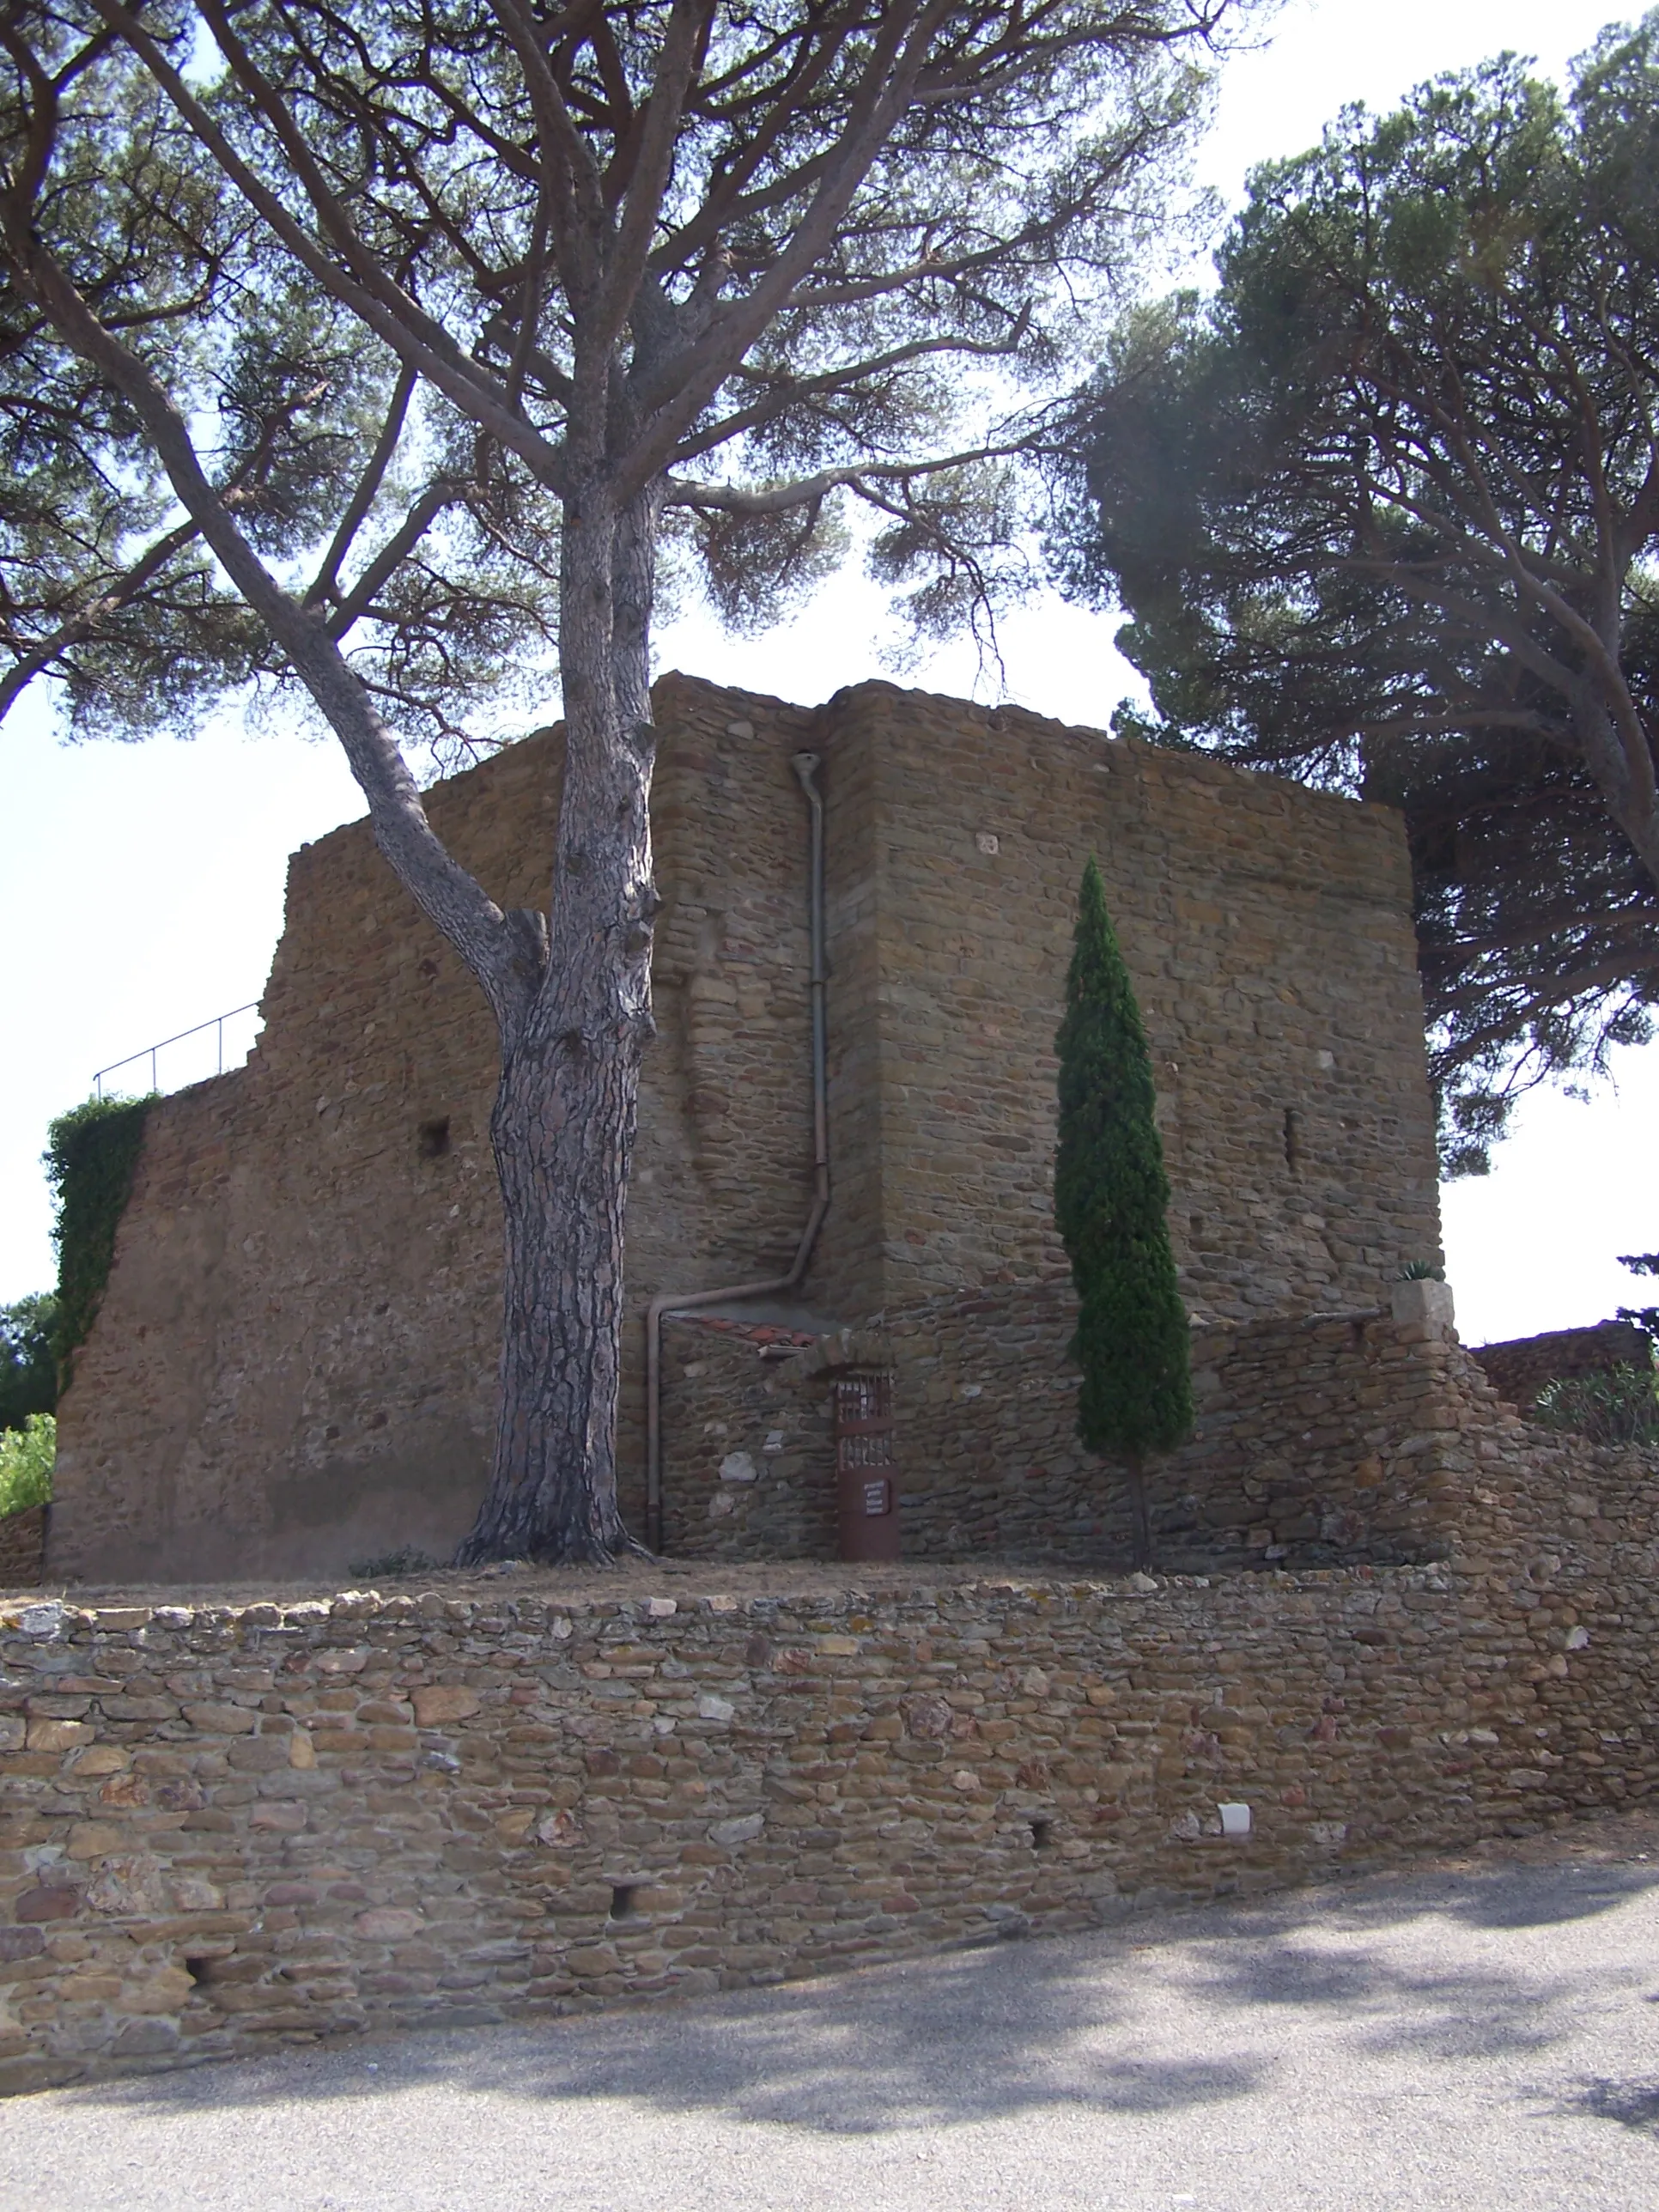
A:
{"x":622,"y":1895}
{"x":1042,"y":1835}
{"x":432,"y":1138}
{"x":199,"y":1970}
{"x":1293,"y":1139}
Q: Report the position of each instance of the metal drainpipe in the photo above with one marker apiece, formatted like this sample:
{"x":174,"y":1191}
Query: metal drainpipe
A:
{"x":806,"y":766}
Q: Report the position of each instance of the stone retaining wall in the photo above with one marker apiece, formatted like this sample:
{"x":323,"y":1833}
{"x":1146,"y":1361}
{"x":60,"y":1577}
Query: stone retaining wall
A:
{"x":225,"y":1828}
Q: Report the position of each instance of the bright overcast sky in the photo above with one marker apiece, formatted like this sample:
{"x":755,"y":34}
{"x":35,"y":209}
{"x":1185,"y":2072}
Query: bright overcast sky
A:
{"x":142,"y":887}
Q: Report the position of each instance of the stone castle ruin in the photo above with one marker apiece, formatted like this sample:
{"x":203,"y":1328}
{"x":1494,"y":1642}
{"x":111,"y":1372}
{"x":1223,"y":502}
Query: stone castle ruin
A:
{"x":294,"y":1365}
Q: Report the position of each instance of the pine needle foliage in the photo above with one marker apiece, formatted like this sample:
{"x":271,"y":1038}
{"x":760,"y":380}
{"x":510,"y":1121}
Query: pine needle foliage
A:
{"x":1356,"y":500}
{"x":1110,"y":1199}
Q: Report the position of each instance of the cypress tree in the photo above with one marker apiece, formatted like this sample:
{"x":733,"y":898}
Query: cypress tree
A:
{"x":1110,"y":1199}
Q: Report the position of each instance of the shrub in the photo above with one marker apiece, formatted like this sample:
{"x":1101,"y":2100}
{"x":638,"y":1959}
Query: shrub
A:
{"x":25,"y":1459}
{"x":1618,"y":1406}
{"x":407,"y":1560}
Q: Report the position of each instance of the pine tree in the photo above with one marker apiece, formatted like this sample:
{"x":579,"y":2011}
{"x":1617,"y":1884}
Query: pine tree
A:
{"x":1110,"y":1197}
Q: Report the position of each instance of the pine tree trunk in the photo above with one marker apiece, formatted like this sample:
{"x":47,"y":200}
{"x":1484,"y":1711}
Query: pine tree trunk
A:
{"x":563,"y":1132}
{"x":1140,"y":1518}
{"x":565,"y":1111}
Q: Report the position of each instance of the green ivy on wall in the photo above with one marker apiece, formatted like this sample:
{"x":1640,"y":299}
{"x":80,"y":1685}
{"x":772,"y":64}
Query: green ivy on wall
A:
{"x":91,"y":1153}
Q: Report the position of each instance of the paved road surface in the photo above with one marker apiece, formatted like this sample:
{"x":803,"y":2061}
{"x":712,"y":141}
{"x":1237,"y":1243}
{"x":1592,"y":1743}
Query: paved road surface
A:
{"x":1487,"y":2040}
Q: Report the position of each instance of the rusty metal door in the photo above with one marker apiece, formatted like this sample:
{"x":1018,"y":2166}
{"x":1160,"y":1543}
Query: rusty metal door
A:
{"x":867,"y":1487}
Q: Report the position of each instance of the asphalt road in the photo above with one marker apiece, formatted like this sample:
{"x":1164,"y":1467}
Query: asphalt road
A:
{"x":1486,"y":2040}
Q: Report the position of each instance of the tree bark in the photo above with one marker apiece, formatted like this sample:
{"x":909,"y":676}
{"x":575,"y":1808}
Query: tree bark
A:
{"x":565,"y":1112}
{"x":1140,"y":1518}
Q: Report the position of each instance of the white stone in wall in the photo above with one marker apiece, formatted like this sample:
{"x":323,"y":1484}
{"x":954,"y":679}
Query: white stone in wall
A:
{"x":729,"y":1833}
{"x":1422,"y":1305}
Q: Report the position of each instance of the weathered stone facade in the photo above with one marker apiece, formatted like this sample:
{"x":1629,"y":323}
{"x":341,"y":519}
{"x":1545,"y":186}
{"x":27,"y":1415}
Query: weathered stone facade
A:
{"x":294,"y":1366}
{"x":227,"y":1826}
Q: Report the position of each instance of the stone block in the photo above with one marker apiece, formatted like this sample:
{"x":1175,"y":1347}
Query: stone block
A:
{"x":146,"y":2039}
{"x":743,"y":1830}
{"x":388,"y":1923}
{"x":222,"y":1720}
{"x":443,"y":1702}
{"x":91,"y":1839}
{"x":166,"y":1990}
{"x":45,"y":1904}
{"x":58,"y":1736}
{"x":286,"y":1816}
{"x":1423,"y":1308}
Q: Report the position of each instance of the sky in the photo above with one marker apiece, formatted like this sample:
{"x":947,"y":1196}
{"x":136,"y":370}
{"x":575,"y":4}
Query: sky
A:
{"x":140,"y":887}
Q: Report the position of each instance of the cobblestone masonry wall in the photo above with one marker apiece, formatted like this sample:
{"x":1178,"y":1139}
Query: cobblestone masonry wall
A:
{"x":294,"y":1367}
{"x":1316,"y":1441}
{"x":225,"y":1828}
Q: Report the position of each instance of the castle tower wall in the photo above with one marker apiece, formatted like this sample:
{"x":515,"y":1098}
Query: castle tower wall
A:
{"x":294,"y":1366}
{"x":1268,"y":932}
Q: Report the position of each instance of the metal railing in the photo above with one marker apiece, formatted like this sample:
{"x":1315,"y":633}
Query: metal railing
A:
{"x":149,"y":1052}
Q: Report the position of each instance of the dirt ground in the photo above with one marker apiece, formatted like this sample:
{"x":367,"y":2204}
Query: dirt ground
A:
{"x":630,"y":1578}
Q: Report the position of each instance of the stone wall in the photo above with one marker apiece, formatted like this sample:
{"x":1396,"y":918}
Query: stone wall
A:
{"x":749,"y":1469}
{"x":1525,"y":1365}
{"x":1268,"y":932}
{"x":294,"y":1367}
{"x":294,"y":1364}
{"x":23,"y":1547}
{"x":1317,"y":1440}
{"x":223,"y":1828}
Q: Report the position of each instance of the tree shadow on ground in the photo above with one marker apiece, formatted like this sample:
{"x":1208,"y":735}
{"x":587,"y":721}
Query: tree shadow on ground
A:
{"x":1456,"y":2012}
{"x":986,"y":2034}
{"x":971,"y":2036}
{"x":1506,"y":1896}
{"x":1454,"y":2007}
{"x":1634,"y":2105}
